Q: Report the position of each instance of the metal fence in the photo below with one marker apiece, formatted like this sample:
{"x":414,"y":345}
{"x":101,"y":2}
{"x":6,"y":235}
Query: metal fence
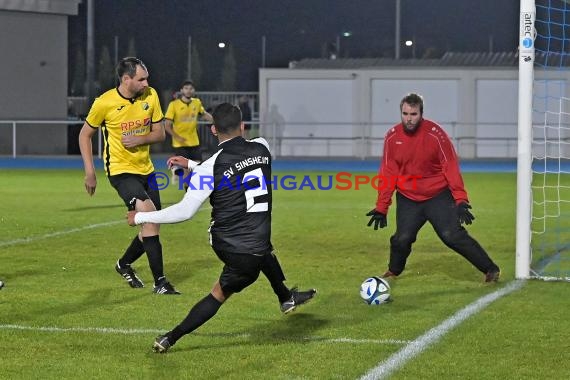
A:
{"x":285,"y":139}
{"x":78,"y":106}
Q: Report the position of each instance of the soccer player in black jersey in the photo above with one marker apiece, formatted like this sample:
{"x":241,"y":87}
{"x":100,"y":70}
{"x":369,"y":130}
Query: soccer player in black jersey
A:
{"x":237,"y":181}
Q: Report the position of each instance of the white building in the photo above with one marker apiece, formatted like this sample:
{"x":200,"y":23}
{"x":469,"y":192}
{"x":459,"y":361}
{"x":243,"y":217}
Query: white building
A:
{"x":33,"y":72}
{"x":344,"y":107}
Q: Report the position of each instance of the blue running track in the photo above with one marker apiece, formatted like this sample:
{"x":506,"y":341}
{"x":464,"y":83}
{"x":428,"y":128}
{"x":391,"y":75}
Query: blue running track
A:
{"x":333,"y":165}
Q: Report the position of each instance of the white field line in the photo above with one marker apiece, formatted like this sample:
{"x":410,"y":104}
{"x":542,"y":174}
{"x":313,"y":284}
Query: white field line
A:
{"x":357,"y":341}
{"x":111,"y":330}
{"x":414,"y":348}
{"x":33,"y":239}
{"x":99,"y":330}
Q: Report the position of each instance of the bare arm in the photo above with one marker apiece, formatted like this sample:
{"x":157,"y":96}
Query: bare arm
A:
{"x":85,"y":137}
{"x":206,"y":116}
{"x":182,"y":162}
{"x":168,"y":126}
{"x":156,"y":135}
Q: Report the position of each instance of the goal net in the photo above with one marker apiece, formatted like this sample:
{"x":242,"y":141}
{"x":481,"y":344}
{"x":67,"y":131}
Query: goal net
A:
{"x":548,"y":119}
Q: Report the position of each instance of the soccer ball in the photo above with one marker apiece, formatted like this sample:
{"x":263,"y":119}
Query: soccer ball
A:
{"x":375,"y":291}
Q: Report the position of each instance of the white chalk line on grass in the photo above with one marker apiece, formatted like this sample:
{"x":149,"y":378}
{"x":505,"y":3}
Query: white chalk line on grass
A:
{"x":359,"y":341}
{"x":414,"y":348}
{"x":32,"y":239}
{"x":99,"y":330}
{"x":111,"y":330}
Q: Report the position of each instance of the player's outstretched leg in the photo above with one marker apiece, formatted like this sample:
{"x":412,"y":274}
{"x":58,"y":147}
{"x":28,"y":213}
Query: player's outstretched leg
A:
{"x":129,"y":275}
{"x":164,"y":287}
{"x":297,"y":298}
{"x":493,"y":275}
{"x":388,"y":274}
{"x":161,"y":344}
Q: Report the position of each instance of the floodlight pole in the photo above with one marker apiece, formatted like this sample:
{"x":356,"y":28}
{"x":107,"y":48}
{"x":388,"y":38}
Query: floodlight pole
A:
{"x":397,"y":31}
{"x":116,"y":49}
{"x":263,"y":50}
{"x":189,"y":67}
{"x":90,"y":56}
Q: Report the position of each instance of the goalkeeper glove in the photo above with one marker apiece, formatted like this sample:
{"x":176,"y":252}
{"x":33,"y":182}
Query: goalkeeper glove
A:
{"x":377,"y":218}
{"x":464,"y":214}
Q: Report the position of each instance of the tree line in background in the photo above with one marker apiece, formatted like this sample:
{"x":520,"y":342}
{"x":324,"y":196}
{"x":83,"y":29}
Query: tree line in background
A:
{"x":105,"y":70}
{"x":225,"y":79}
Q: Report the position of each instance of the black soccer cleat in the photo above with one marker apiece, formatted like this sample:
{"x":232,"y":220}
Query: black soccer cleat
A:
{"x":389,"y":274}
{"x":493,"y":275}
{"x":130,"y":275}
{"x":164,"y":287}
{"x":297,"y":298}
{"x":161,"y":344}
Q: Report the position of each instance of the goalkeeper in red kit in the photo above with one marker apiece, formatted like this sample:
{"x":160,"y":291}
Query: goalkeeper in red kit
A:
{"x":420,"y":149}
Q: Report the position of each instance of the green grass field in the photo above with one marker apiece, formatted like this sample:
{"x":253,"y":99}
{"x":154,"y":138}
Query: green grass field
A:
{"x":65,"y":313}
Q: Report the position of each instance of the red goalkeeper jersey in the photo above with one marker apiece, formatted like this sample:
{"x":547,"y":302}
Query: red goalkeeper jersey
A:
{"x":419,"y":165}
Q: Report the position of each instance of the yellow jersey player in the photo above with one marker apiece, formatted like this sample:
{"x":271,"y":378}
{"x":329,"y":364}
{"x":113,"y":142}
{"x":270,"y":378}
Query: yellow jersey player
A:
{"x":181,"y":122}
{"x":130,"y":119}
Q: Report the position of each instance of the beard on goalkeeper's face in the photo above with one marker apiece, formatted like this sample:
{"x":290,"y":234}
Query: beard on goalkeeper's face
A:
{"x":409,"y":126}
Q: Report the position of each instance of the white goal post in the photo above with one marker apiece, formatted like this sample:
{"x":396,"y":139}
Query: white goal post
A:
{"x":543,"y":155}
{"x":524,"y":155}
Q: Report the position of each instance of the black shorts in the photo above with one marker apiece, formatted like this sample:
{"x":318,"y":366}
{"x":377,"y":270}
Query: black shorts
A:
{"x":240,"y":270}
{"x":189,"y":152}
{"x":137,"y":186}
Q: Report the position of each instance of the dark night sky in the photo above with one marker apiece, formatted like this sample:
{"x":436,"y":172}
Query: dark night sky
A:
{"x":294,"y":29}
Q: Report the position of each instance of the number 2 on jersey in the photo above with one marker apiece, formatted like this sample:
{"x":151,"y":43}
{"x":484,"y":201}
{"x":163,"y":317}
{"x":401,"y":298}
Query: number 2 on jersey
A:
{"x":250,"y":194}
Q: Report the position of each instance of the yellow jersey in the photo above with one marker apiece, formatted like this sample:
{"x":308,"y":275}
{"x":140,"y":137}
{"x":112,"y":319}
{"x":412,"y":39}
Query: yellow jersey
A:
{"x":118,"y":116}
{"x":184,"y":118}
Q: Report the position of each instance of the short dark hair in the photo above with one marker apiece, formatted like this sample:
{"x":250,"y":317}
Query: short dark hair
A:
{"x":413,"y":99}
{"x":227,"y":117}
{"x":128,"y":65}
{"x":188,"y":82}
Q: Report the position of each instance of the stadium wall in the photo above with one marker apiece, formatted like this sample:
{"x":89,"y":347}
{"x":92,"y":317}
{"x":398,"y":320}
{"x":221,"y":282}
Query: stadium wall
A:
{"x":33,"y":72}
{"x":477,"y":106}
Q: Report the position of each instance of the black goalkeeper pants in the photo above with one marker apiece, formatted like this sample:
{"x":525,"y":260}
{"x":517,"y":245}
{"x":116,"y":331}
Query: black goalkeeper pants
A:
{"x":441,"y":212}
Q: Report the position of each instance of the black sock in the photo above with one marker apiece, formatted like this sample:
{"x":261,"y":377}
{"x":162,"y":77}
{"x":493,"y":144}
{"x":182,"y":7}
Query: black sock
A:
{"x":272,"y":270}
{"x":153,"y":250}
{"x":205,"y":309}
{"x":133,"y":252}
{"x":282,"y":292}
